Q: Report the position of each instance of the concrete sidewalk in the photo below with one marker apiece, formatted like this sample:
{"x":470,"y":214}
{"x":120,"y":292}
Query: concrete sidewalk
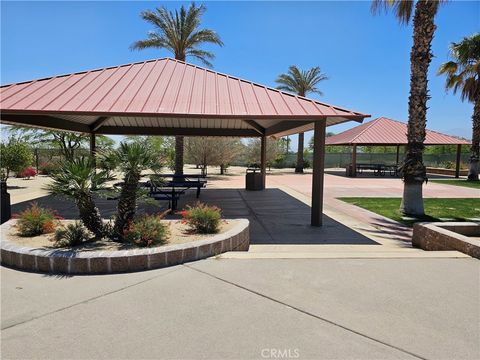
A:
{"x":245,"y":309}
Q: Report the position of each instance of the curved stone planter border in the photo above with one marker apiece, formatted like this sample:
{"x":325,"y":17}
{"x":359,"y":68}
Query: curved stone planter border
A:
{"x":60,"y":261}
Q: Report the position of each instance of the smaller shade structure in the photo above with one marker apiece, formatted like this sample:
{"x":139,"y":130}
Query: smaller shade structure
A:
{"x":387,"y":132}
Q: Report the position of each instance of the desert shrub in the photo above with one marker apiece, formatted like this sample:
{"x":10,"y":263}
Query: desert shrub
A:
{"x":48,"y":168}
{"x":146,"y":231}
{"x":72,"y":234}
{"x":36,"y":220}
{"x":27,"y":173}
{"x":202,"y":218}
{"x":16,"y":155}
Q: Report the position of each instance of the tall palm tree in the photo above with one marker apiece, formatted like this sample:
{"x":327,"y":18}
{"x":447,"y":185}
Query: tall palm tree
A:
{"x":414,"y":171}
{"x":301,"y":82}
{"x":179,"y":33}
{"x":133,"y":158}
{"x":76,"y":180}
{"x":463,"y":74}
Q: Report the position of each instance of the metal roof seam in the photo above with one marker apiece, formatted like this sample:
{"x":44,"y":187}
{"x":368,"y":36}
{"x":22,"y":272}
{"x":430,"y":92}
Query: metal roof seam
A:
{"x":189,"y":105}
{"x":56,"y":86}
{"x":95,"y":90}
{"x":84,"y":71}
{"x":269,"y":98}
{"x":166,"y":87}
{"x":317,"y":107}
{"x":256,"y":99}
{"x":204,"y":91}
{"x":143,"y":82}
{"x":286,"y":103}
{"x":30,"y":92}
{"x":126,"y":87}
{"x":179,"y":88}
{"x":369,"y":125}
{"x":82,"y":88}
{"x":68,"y":88}
{"x":229,"y":96}
{"x":243,"y":97}
{"x":113,"y":86}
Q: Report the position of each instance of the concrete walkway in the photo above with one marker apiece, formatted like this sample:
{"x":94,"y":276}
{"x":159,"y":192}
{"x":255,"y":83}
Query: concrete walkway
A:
{"x":245,"y":309}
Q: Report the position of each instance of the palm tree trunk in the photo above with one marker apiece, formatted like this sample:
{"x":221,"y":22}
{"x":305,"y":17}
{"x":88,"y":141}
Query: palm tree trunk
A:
{"x":179,"y":155}
{"x":475,"y":149}
{"x":414,"y":171}
{"x":127,"y":204}
{"x":90,"y":215}
{"x":299,"y":167}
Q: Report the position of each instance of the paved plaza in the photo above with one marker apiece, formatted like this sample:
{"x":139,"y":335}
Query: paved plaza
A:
{"x":354,"y":288}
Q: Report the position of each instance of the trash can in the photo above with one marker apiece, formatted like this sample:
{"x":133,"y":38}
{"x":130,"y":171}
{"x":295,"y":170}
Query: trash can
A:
{"x":253,"y":179}
{"x":350,"y":171}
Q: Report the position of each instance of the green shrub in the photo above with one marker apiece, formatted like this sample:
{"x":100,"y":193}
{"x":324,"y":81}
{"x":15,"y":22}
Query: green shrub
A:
{"x":35,"y":221}
{"x":72,"y":235}
{"x":48,"y":168}
{"x":202,"y":219}
{"x":146,"y":231}
{"x":16,"y":156}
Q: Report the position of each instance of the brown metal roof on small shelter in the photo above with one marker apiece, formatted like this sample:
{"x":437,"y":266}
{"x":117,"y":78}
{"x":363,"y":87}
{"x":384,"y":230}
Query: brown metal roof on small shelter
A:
{"x":162,"y":97}
{"x":384,"y":131}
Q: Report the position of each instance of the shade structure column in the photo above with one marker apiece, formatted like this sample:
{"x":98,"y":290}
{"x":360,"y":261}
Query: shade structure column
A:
{"x":457,"y":164}
{"x":398,"y":154}
{"x":318,"y":173}
{"x":354,"y":160}
{"x":263,"y":160}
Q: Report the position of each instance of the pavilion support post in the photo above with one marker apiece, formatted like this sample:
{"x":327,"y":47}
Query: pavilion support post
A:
{"x":354,"y":160}
{"x":457,"y":164}
{"x":398,"y":154}
{"x":93,"y":147}
{"x":318,"y":170}
{"x":263,"y":160}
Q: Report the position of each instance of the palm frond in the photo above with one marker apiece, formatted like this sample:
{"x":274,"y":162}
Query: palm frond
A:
{"x":301,"y":82}
{"x":179,"y":32}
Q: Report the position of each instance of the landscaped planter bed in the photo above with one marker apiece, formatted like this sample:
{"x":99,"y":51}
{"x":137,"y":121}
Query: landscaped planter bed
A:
{"x":460,"y":236}
{"x":37,"y":254}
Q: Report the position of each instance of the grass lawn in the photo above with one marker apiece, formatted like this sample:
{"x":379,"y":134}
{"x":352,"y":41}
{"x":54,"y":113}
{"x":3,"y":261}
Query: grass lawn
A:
{"x":459,"y":182}
{"x":458,"y":209}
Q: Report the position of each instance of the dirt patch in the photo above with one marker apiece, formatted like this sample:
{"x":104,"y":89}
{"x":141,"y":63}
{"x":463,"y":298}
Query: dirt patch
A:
{"x":178,"y":233}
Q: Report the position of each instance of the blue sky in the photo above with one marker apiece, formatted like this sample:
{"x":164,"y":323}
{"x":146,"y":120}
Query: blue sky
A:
{"x":366,"y":57}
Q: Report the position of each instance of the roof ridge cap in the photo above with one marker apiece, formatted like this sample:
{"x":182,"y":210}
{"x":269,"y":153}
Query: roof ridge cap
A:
{"x":369,"y":125}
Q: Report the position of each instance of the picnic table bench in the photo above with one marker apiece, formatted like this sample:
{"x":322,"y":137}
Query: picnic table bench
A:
{"x":378,"y":169}
{"x":172,"y":188}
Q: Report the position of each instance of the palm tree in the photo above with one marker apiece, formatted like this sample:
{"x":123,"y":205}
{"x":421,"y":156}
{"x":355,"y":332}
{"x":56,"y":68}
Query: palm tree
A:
{"x":414,"y":171}
{"x":463,"y":73}
{"x":133,"y":159}
{"x":301,"y":82}
{"x":179,"y":33}
{"x":76,"y":180}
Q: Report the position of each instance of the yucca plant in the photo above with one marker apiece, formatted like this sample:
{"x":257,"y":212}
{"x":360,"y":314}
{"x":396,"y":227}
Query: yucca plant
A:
{"x":133,"y":159}
{"x":76,"y":180}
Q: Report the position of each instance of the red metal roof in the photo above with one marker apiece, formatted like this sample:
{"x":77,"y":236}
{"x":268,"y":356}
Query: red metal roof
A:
{"x":384,"y":131}
{"x":159,"y":88}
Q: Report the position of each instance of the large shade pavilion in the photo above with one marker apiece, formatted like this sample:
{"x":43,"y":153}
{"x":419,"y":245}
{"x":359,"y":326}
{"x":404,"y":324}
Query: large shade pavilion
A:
{"x":387,"y":132}
{"x":170,"y":97}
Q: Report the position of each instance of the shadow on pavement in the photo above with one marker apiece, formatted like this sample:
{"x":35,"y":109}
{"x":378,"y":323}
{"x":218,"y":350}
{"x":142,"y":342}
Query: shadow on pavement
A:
{"x":275,"y":217}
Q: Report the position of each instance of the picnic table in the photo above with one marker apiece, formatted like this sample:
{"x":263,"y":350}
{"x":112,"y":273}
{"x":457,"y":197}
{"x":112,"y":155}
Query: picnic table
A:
{"x":174,"y":186}
{"x":378,"y":169}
